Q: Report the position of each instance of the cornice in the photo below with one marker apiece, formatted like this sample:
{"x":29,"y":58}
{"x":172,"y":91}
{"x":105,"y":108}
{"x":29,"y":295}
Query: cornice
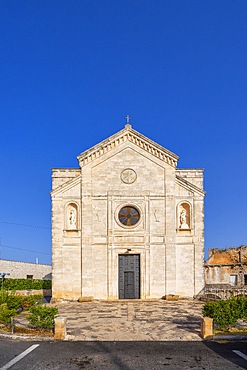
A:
{"x":128,"y":134}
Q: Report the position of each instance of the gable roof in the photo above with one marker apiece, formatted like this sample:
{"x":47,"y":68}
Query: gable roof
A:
{"x":128,"y":134}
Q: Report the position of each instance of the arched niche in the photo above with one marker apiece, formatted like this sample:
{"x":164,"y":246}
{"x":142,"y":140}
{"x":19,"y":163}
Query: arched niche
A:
{"x":71,"y":216}
{"x":184,"y":216}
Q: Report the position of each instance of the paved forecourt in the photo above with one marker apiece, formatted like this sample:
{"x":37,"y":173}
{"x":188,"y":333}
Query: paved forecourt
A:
{"x":135,"y":320}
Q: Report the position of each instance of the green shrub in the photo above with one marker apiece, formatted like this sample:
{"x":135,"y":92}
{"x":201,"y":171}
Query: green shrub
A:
{"x":25,"y":284}
{"x":12,"y":300}
{"x":31,"y":300}
{"x":6,"y":313}
{"x":226,"y":313}
{"x":4,"y":296}
{"x":242,"y":307}
{"x":42,"y":316}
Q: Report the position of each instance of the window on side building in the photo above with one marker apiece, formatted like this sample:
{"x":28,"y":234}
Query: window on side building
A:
{"x":233,"y":279}
{"x":245,"y":279}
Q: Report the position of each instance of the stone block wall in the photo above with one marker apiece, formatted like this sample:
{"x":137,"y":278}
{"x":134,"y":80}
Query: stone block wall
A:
{"x":20,"y":270}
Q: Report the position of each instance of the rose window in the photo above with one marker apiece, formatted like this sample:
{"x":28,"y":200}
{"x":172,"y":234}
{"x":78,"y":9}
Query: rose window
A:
{"x":128,"y":216}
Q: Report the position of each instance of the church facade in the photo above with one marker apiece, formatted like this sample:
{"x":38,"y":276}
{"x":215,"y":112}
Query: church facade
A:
{"x":127,"y":223}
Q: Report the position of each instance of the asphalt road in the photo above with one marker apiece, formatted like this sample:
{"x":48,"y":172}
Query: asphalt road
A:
{"x":122,"y":355}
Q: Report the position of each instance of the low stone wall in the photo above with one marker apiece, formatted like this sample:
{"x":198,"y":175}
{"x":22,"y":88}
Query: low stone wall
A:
{"x":44,"y":292}
{"x":223,"y":293}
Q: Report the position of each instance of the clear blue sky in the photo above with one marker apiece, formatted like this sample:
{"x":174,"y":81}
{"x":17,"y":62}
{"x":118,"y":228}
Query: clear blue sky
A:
{"x":71,"y":70}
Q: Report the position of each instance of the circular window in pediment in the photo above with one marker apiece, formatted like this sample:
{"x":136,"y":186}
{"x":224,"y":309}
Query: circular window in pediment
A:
{"x":128,"y":176}
{"x":129,"y":216}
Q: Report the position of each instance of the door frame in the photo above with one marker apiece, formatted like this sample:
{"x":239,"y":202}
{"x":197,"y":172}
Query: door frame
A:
{"x":137,"y":280}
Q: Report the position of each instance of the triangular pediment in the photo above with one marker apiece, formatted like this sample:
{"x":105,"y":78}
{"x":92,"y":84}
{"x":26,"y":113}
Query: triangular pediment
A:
{"x":128,"y":134}
{"x":66,"y":186}
{"x":189,"y":186}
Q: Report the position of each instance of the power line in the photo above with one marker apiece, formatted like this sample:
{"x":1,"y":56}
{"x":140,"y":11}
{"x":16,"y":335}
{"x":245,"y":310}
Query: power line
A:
{"x":35,"y":226}
{"x":26,"y":250}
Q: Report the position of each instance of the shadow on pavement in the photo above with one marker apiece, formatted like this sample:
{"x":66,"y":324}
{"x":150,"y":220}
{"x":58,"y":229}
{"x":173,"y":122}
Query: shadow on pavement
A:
{"x":46,"y":299}
{"x":225,"y":349}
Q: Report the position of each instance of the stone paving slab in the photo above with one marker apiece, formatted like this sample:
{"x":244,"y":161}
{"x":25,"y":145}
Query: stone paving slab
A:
{"x":132,"y":320}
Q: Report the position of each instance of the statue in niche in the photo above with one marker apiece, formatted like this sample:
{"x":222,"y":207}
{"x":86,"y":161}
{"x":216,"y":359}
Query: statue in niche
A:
{"x":183,"y":219}
{"x":72,"y":219}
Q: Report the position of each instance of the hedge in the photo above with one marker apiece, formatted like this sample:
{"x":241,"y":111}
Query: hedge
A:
{"x":226,"y":313}
{"x":25,"y":284}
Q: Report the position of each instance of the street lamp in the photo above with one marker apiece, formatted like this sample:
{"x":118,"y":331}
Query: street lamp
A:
{"x":2,"y":275}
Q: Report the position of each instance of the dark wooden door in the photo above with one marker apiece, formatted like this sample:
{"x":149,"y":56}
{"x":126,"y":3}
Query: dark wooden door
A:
{"x":129,"y":276}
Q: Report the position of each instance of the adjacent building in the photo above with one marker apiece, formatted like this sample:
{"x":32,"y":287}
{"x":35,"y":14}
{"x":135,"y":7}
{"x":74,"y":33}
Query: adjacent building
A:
{"x":25,"y":270}
{"x":226,"y":268}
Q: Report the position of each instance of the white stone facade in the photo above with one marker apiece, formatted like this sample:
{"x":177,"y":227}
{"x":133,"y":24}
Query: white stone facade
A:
{"x":23,"y":270}
{"x":127,"y":198}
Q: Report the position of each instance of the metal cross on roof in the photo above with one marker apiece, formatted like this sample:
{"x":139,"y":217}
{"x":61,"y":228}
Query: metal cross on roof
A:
{"x":127,"y":118}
